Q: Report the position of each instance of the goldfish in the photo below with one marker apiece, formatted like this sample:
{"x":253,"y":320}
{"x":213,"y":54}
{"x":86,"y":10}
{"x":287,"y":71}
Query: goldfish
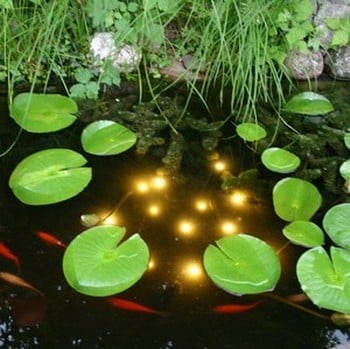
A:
{"x":235,"y":308}
{"x":17,"y":281}
{"x":50,"y":239}
{"x":131,"y":306}
{"x":7,"y":253}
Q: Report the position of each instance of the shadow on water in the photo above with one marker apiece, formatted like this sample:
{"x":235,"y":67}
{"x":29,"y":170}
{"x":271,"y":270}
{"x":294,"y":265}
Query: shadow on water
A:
{"x":177,"y":222}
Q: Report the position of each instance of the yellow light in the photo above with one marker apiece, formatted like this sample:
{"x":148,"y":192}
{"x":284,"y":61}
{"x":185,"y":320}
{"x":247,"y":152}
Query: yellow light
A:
{"x":201,"y":205}
{"x":112,"y":219}
{"x":186,"y":227}
{"x":228,"y":227}
{"x":219,"y":166}
{"x":193,"y":270}
{"x":142,"y":187}
{"x":159,"y":182}
{"x":238,"y":198}
{"x":151,"y":264}
{"x":153,"y":210}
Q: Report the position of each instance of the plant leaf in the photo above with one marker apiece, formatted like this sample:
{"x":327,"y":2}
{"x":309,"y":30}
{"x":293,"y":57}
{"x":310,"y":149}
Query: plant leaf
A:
{"x":295,"y":199}
{"x":49,"y":176}
{"x":309,"y":103}
{"x":106,"y":137}
{"x":42,"y":113}
{"x":336,"y":223}
{"x":242,"y":264}
{"x":326,"y":281}
{"x":344,"y":169}
{"x":95,"y":265}
{"x":280,"y":160}
{"x":250,"y":132}
{"x":304,"y":233}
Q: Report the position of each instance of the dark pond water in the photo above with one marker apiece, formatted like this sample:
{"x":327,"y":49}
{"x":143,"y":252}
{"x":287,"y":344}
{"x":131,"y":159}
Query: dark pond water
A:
{"x":175,"y":281}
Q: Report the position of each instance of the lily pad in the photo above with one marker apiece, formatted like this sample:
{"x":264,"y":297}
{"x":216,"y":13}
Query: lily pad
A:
{"x":304,"y":233}
{"x":326,"y":281}
{"x":336,"y":223}
{"x":250,"y":132}
{"x":49,"y":176}
{"x":242,"y":264}
{"x":295,"y":199}
{"x":40,"y":113}
{"x":95,"y":264}
{"x":347,"y":140}
{"x":344,"y":169}
{"x":106,"y":137}
{"x":280,"y":160}
{"x":309,"y":103}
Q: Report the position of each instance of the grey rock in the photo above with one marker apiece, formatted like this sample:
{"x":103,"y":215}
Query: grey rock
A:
{"x":338,"y":63}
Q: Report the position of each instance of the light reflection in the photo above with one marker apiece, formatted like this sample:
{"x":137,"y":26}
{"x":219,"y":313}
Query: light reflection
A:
{"x":220,"y":166}
{"x":186,"y":227}
{"x":228,"y":227}
{"x":154,"y":210}
{"x":142,"y":187}
{"x":159,"y":182}
{"x":112,"y":219}
{"x":193,"y":270}
{"x":151,"y":264}
{"x":201,"y":205}
{"x":238,"y":198}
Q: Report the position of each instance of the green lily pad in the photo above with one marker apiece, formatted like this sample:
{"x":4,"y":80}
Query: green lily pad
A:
{"x":95,"y":264}
{"x":49,"y":176}
{"x":250,"y":132}
{"x":106,"y":137}
{"x":347,"y":140}
{"x":280,"y":160}
{"x":295,"y":199}
{"x":42,"y":113}
{"x":344,"y":169}
{"x":242,"y":264}
{"x":304,"y":233}
{"x":336,"y":223}
{"x":326,"y":281}
{"x":309,"y":103}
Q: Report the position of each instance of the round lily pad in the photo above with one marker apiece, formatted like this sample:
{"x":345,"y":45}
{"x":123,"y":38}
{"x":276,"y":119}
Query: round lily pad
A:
{"x":347,"y":139}
{"x":309,"y":103}
{"x":242,"y":264}
{"x":50,"y":176}
{"x":344,"y":169}
{"x":250,"y":132}
{"x":326,"y":281}
{"x":106,"y":137}
{"x":295,"y":199}
{"x":95,"y":264}
{"x":336,"y":223}
{"x":280,"y":160}
{"x":40,"y":113}
{"x":304,"y":233}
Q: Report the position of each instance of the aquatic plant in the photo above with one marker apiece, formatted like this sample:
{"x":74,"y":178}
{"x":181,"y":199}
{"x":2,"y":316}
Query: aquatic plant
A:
{"x":95,"y":263}
{"x":250,"y":132}
{"x":280,"y":160}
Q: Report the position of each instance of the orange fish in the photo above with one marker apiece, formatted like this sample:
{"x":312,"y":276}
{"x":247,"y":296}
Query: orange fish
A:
{"x":50,"y":239}
{"x":17,"y":281}
{"x":235,"y":308}
{"x":131,"y":306}
{"x":7,"y":253}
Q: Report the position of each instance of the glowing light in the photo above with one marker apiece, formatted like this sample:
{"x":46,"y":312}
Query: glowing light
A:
{"x":112,"y":219}
{"x":238,"y":198}
{"x":201,"y":205}
{"x":193,"y":270}
{"x":219,"y":166}
{"x":159,"y":182}
{"x":142,"y":187}
{"x":153,"y":210}
{"x":151,"y":264}
{"x":228,"y":227}
{"x":186,"y":227}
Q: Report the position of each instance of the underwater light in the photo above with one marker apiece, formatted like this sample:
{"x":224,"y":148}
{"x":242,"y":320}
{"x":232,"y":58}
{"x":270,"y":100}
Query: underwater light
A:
{"x":238,"y":198}
{"x":153,"y":210}
{"x":220,"y":166}
{"x":151,"y":264}
{"x":142,"y":187}
{"x":112,"y":220}
{"x":186,"y":227}
{"x":193,"y":270}
{"x":228,"y":227}
{"x":201,"y":205}
{"x":159,"y":182}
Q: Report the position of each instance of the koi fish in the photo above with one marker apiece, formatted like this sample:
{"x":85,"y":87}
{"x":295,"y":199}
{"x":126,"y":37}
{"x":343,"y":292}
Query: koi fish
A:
{"x":235,"y":308}
{"x":131,"y":306}
{"x":7,"y":253}
{"x":50,"y":239}
{"x":17,"y":281}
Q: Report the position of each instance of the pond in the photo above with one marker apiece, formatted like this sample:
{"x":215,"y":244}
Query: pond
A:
{"x":178,"y":219}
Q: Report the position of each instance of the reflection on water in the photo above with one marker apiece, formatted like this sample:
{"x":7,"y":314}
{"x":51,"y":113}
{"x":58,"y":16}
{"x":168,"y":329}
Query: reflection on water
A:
{"x":177,"y":220}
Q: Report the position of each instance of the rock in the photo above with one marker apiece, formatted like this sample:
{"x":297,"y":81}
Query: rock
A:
{"x":304,"y":66}
{"x":126,"y":58}
{"x":338,"y":62}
